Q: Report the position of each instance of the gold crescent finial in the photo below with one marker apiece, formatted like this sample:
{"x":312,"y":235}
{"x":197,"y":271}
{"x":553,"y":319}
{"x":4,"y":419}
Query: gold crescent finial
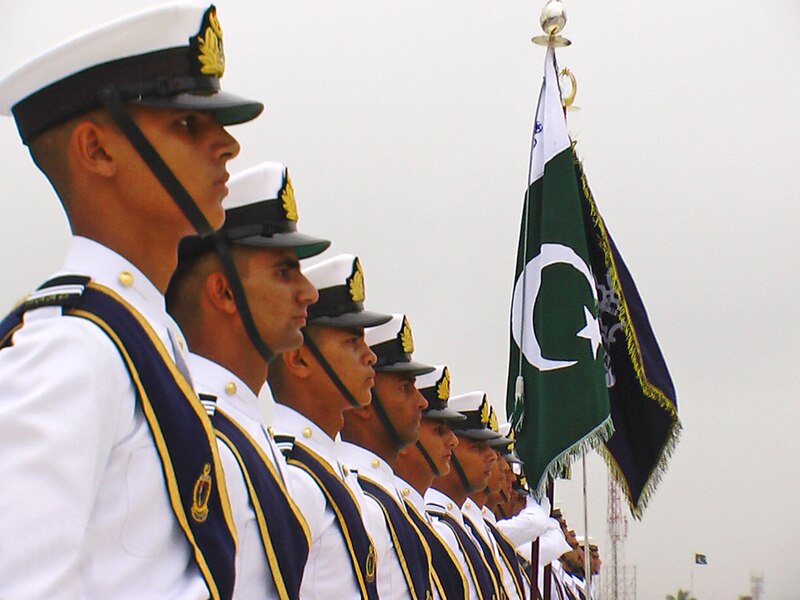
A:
{"x":567,"y":101}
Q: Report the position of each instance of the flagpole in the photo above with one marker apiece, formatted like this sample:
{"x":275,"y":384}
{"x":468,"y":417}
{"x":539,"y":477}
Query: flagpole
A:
{"x":586,"y":551}
{"x":548,"y":570}
{"x":534,"y":568}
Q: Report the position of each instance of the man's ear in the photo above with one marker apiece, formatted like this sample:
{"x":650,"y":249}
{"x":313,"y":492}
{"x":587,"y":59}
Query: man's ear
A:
{"x":219,"y":293}
{"x":407,"y":450}
{"x":364,"y":413}
{"x":297,"y":362}
{"x":89,"y":147}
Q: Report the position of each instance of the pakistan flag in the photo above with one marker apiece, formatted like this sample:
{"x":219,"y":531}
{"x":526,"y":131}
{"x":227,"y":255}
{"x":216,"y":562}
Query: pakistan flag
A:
{"x":557,"y":396}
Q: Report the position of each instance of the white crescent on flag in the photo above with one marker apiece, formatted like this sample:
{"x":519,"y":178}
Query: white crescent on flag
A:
{"x":526,"y":290}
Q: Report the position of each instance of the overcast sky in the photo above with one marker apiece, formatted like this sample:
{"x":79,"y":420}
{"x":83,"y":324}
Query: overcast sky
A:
{"x":406,"y":126}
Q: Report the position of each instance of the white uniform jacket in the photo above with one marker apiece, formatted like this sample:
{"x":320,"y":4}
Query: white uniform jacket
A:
{"x":329,"y":573}
{"x":253,"y":579}
{"x":84,"y":511}
{"x":436,"y":501}
{"x":391,"y":582}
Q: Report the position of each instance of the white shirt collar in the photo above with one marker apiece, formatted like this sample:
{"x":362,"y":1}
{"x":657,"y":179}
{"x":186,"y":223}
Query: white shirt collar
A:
{"x":410,"y":494}
{"x":212,"y":378}
{"x":368,"y":464}
{"x":287,"y":421}
{"x":489,"y":515}
{"x":106,"y":267}
{"x":439,"y":501}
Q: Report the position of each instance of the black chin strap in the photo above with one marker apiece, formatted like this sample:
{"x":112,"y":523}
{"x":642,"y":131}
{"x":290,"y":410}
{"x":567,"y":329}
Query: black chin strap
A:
{"x":329,"y":370}
{"x":110,"y":98}
{"x":240,"y":299}
{"x":501,"y":511}
{"x":428,"y":459}
{"x":387,"y":422}
{"x":461,"y":475}
{"x":112,"y":102}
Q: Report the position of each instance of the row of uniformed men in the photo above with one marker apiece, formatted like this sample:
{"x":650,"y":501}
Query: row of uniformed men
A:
{"x":369,"y":434}
{"x":115,"y":463}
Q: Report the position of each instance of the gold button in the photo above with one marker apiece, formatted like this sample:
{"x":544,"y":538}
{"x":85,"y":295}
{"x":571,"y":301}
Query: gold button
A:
{"x":125,"y":279}
{"x":269,"y":431}
{"x":230,"y":388}
{"x":405,"y":491}
{"x":181,"y":344}
{"x":307,"y":432}
{"x":467,"y":505}
{"x":449,"y":506}
{"x":375,"y":463}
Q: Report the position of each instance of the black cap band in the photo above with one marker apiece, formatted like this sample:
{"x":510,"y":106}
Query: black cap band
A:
{"x":390,"y":352}
{"x":333,"y":302}
{"x":473,"y":421}
{"x":160,"y":73}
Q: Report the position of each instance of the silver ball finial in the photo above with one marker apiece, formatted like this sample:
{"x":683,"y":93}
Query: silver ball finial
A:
{"x":552,"y":20}
{"x":553,"y":17}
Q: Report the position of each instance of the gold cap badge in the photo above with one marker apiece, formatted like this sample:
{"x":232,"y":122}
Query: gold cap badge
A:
{"x":356,"y":283}
{"x":484,"y":411}
{"x":443,"y":389}
{"x":405,"y":337}
{"x":287,"y":197}
{"x":211,"y":54}
{"x":493,"y":425}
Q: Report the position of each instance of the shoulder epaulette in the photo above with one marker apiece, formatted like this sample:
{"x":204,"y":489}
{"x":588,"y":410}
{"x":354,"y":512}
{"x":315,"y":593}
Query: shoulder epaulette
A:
{"x":63,"y":291}
{"x":209,"y":402}
{"x":285,"y":443}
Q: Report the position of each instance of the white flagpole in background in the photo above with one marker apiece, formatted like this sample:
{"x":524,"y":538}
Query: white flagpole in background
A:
{"x":587,"y":573}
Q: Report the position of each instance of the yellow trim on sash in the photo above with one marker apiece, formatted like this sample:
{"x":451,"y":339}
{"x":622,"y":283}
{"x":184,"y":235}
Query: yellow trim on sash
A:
{"x":501,"y":588}
{"x":10,"y":335}
{"x":269,"y":549}
{"x":446,"y":546}
{"x":340,"y":518}
{"x":469,"y":563}
{"x":273,"y":471}
{"x":158,"y":436}
{"x":496,"y":530}
{"x":398,"y":546}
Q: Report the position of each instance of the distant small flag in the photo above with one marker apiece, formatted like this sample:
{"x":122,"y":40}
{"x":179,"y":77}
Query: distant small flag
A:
{"x":700,"y":559}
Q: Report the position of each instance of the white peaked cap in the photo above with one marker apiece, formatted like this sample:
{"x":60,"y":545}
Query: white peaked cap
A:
{"x":264,"y":181}
{"x":330,"y":272}
{"x":340,"y":282}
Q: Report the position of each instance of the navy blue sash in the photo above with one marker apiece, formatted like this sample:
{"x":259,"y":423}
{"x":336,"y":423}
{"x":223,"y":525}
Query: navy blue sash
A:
{"x":181,"y":430}
{"x":447,"y":575}
{"x":489,"y":555}
{"x":348,"y":516}
{"x":411,"y":549}
{"x":481,"y":573}
{"x":510,"y":557}
{"x":279,"y":520}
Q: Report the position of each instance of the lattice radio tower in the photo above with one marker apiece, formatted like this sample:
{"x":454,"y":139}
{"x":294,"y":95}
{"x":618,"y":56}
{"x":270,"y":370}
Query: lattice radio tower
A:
{"x":619,"y":579}
{"x":756,"y":585}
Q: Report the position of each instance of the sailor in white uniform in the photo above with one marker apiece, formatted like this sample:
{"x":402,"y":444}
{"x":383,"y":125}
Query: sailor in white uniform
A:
{"x":373,"y":436}
{"x":416,"y":468}
{"x":313,"y":386}
{"x":86,"y":511}
{"x":471,"y":467}
{"x":228,"y":370}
